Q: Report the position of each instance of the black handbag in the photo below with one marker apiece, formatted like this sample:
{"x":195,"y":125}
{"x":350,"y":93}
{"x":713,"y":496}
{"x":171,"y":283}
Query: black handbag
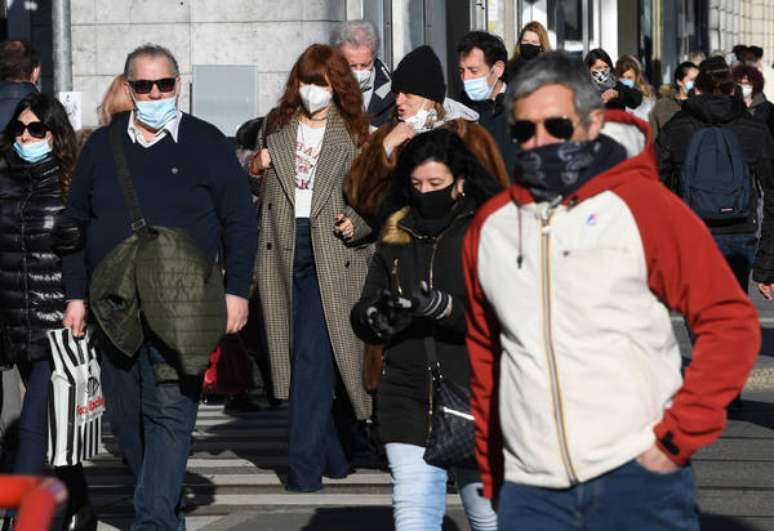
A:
{"x":451,"y":440}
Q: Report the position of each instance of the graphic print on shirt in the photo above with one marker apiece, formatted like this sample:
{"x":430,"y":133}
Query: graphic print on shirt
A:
{"x":307,"y":154}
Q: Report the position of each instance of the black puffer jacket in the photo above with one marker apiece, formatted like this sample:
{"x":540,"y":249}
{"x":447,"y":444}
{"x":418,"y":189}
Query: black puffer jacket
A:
{"x":703,"y":111}
{"x":31,"y":294}
{"x":403,"y":393}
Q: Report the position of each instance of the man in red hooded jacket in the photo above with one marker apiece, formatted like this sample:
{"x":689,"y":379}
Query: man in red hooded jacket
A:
{"x":583,"y":420}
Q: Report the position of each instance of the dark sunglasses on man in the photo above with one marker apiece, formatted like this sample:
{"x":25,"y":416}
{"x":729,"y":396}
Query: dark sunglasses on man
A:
{"x":35,"y":129}
{"x":523,"y":130}
{"x":144,"y":86}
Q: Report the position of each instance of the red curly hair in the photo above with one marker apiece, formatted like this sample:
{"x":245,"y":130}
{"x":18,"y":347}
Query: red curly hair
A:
{"x":323,"y":65}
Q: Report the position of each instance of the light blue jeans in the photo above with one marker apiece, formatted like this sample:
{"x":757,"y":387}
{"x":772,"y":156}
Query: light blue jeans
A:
{"x":419,"y":492}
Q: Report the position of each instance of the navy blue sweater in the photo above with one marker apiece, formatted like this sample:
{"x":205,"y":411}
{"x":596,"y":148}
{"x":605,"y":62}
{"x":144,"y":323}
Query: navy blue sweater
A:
{"x":195,"y":184}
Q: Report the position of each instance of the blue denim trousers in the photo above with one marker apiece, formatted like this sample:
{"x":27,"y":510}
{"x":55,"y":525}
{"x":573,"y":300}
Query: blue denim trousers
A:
{"x":629,"y":497}
{"x":153,"y":424}
{"x":739,"y":252}
{"x":419,"y":492}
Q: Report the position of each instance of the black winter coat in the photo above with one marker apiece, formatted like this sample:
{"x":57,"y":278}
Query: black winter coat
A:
{"x":31,"y":293}
{"x":762,"y":110}
{"x":630,"y":98}
{"x":703,"y":111}
{"x":493,"y":118}
{"x":402,"y":403}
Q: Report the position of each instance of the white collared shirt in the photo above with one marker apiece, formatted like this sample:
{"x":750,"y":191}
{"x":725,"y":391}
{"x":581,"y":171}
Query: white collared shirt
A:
{"x":135,"y":134}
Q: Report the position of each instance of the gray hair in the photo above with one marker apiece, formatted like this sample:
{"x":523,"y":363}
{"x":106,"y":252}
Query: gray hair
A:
{"x":150,"y":50}
{"x":356,"y":33}
{"x":556,"y":68}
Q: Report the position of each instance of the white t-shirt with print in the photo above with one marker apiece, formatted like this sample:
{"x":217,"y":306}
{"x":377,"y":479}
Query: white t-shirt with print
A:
{"x":308,"y":146}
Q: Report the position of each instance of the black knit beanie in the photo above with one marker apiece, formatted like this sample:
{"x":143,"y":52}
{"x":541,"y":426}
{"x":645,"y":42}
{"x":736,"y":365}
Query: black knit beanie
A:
{"x":420,"y":73}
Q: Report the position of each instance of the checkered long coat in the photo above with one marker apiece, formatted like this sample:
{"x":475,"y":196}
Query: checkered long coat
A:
{"x":341,"y":268}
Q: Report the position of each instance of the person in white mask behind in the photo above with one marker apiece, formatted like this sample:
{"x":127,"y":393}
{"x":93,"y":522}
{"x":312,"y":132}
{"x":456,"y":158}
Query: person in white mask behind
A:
{"x":421,"y":106}
{"x":359,"y":42}
{"x":312,"y":263}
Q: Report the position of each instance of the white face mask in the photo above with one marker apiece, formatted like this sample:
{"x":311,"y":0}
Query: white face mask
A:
{"x":747,"y":91}
{"x":364,"y":78}
{"x":315,"y":98}
{"x":423,"y":120}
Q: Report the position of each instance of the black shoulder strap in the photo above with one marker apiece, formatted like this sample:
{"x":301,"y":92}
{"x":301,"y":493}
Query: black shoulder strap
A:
{"x":117,"y":132}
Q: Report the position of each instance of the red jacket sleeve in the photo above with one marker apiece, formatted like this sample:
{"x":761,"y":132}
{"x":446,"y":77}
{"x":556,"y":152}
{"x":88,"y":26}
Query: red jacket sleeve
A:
{"x":484,"y":349}
{"x":688,"y":273}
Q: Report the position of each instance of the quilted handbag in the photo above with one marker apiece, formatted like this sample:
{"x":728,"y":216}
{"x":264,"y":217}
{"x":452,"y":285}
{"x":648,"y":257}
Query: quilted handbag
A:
{"x":451,"y":439}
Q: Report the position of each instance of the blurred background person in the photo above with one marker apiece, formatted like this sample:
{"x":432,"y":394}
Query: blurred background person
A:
{"x":667,"y":106}
{"x":614,"y":94}
{"x":39,"y":151}
{"x":19,"y":75}
{"x":414,"y":300}
{"x":358,"y":41}
{"x":751,"y":85}
{"x":116,"y":100}
{"x":310,"y":264}
{"x":533,"y":40}
{"x":629,"y":72}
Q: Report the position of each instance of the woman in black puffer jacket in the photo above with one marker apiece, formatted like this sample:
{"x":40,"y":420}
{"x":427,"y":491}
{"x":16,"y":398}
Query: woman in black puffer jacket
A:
{"x":414,"y":298}
{"x":37,"y":156}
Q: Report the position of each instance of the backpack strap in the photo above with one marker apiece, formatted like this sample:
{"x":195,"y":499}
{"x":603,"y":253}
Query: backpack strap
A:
{"x":117,"y":132}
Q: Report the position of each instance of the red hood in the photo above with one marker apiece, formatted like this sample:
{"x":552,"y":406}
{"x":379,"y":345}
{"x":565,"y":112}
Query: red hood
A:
{"x":642,"y":165}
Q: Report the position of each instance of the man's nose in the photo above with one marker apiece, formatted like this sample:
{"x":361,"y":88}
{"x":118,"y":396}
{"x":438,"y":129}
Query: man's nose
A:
{"x":155,"y":93}
{"x":542,"y":136}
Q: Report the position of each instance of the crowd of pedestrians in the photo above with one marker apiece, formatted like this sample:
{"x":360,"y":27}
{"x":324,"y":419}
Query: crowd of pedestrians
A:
{"x":373,"y":239}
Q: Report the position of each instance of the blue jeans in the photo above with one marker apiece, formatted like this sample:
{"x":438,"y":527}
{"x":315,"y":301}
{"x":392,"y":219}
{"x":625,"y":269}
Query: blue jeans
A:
{"x":153,"y":424}
{"x":629,"y":497}
{"x":419,"y":492}
{"x":739,"y":252}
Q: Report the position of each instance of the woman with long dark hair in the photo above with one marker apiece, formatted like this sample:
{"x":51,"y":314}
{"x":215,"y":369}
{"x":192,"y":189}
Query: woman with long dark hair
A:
{"x":414,"y":300}
{"x":613,"y":92}
{"x":38,"y":151}
{"x":312,"y":260}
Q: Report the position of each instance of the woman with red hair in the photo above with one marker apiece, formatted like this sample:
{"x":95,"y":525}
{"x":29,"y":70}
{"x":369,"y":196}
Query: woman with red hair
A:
{"x":750,"y":82}
{"x":313,"y":257}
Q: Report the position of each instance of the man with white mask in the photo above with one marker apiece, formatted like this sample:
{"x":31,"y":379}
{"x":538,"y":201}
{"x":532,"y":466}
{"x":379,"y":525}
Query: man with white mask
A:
{"x":358,"y":41}
{"x":185,"y":175}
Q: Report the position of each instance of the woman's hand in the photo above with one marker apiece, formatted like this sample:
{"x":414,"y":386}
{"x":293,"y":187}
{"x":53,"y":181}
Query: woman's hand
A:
{"x":260,"y":162}
{"x":344,"y":227}
{"x":399,"y":134}
{"x":75,"y":317}
{"x":609,"y":94}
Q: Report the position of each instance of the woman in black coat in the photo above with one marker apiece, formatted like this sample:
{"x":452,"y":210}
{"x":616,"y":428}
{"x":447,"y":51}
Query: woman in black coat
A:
{"x":37,"y":156}
{"x":414,"y":299}
{"x":614,"y":94}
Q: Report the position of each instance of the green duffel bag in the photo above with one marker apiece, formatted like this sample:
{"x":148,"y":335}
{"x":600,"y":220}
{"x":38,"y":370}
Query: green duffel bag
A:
{"x":159,"y":274}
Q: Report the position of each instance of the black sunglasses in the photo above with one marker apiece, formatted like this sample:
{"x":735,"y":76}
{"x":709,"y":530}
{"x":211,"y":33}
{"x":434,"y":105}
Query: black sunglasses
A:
{"x":523,"y":130}
{"x":144,"y":86}
{"x":36,"y":129}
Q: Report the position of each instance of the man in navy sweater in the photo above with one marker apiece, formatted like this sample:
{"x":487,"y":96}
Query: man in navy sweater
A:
{"x":186,"y":176}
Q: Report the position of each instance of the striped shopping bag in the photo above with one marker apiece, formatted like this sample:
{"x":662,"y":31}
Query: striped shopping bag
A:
{"x":75,"y":399}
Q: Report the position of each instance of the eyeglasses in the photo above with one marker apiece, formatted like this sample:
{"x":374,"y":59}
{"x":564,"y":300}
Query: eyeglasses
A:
{"x":523,"y":130}
{"x":36,"y":129}
{"x":144,"y":86}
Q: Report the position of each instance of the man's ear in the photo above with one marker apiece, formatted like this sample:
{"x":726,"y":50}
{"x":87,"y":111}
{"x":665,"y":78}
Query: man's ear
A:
{"x":499,"y":69}
{"x":597,"y":120}
{"x":35,"y":77}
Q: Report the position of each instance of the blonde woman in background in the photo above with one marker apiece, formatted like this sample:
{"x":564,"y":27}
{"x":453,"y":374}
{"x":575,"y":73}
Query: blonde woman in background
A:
{"x":629,"y":72}
{"x":116,"y":100}
{"x":532,"y":42}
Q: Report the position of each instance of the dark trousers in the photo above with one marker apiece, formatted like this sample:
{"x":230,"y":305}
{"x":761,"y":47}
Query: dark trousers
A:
{"x":629,"y":497}
{"x":314,"y":446}
{"x":739,"y":252}
{"x":153,"y":424}
{"x":33,"y":433}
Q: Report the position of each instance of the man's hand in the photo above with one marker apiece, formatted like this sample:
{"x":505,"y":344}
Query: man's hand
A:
{"x":765,"y":290}
{"x":236,"y":313}
{"x":344,"y":227}
{"x":609,"y":94}
{"x":654,"y":460}
{"x":399,"y":134}
{"x":75,"y":317}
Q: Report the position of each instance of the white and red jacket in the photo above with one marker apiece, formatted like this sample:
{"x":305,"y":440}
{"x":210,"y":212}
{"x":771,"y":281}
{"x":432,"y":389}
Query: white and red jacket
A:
{"x":575,"y":367}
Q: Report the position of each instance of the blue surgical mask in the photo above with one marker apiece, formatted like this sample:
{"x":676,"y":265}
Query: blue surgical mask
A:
{"x":478,"y":89}
{"x":688,"y":86}
{"x":628,"y":82}
{"x":32,"y":152}
{"x":156,"y":113}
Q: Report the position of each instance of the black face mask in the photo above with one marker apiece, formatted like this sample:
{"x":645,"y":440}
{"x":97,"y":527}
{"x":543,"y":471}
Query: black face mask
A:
{"x":556,"y":169}
{"x":529,"y":51}
{"x":433,"y":205}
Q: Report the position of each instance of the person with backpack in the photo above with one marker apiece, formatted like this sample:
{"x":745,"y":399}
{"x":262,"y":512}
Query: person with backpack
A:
{"x":718,"y":159}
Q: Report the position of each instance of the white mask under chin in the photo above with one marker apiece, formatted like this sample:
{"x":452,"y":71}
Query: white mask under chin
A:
{"x":364,"y":78}
{"x":314,"y":98}
{"x":423,"y":120}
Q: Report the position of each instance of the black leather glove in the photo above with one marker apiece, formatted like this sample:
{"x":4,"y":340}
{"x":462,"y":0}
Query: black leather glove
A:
{"x":385,"y":316}
{"x":431,"y":303}
{"x":68,"y":235}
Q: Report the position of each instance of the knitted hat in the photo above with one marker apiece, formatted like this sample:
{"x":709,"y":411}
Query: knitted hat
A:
{"x":420,"y":73}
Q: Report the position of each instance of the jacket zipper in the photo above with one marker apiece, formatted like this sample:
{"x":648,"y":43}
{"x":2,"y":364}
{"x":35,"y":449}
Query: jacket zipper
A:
{"x":556,"y":396}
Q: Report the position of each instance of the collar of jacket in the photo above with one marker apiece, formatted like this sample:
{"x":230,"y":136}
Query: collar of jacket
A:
{"x":493,"y":106}
{"x":381,"y":76}
{"x":400,"y":227}
{"x":16,"y":89}
{"x":640,"y":165}
{"x":38,"y":171}
{"x":712,"y":110}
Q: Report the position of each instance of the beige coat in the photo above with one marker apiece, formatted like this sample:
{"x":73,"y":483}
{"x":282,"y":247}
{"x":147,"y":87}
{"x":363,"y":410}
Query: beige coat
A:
{"x":341,"y":267}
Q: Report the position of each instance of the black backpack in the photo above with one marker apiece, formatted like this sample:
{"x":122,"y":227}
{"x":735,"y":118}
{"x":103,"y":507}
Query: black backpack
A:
{"x":715,"y":179}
